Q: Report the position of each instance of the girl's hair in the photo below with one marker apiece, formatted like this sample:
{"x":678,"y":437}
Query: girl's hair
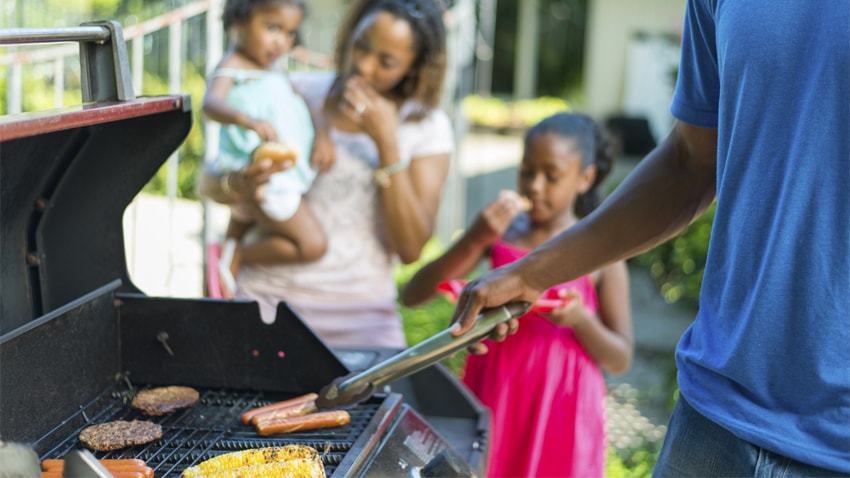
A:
{"x":239,"y":11}
{"x":594,"y":144}
{"x":425,"y":82}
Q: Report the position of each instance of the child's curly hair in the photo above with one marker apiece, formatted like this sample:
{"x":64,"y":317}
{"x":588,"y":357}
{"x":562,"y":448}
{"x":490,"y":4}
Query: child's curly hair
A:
{"x":429,"y":69}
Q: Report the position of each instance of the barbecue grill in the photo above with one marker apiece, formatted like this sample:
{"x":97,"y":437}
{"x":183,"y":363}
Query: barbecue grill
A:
{"x":79,"y":338}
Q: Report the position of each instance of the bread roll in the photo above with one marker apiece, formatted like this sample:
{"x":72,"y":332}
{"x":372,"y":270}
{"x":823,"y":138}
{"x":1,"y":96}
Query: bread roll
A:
{"x":277,"y":152}
{"x":523,"y":203}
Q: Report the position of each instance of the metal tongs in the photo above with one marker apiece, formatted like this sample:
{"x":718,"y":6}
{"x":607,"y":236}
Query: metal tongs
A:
{"x":354,"y":388}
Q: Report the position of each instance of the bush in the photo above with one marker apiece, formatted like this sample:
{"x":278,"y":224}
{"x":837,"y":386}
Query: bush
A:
{"x":192,"y":149}
{"x":429,"y":319}
{"x":492,"y":112}
{"x":679,"y":264}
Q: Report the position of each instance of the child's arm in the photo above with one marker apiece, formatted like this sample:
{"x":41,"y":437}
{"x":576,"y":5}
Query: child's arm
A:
{"x":608,"y":338}
{"x":216,"y":108}
{"x":464,"y":255}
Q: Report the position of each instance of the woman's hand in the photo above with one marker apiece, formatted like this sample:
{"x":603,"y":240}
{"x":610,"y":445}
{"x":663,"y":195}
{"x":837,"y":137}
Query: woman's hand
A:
{"x":376,"y":115}
{"x":248,"y":183}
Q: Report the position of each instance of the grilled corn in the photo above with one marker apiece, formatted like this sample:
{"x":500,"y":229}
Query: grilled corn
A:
{"x":286,"y":461}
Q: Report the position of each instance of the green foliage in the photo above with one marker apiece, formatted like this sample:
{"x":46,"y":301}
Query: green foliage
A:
{"x":191,"y":151}
{"x":493,"y":112}
{"x":424,"y":321}
{"x":678,"y":265}
{"x":635,"y":463}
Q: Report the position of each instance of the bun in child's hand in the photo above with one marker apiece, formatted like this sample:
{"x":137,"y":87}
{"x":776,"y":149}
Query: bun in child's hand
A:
{"x":277,"y":152}
{"x":522,"y":202}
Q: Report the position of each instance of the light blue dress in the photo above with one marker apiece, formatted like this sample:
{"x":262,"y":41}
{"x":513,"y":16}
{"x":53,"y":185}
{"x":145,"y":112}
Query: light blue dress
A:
{"x":269,"y":95}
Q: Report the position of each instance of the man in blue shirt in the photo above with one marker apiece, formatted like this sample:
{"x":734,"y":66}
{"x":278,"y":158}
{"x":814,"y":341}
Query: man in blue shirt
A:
{"x":763,"y":126}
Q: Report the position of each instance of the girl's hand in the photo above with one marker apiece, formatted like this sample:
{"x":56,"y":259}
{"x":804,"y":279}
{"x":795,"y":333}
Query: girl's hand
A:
{"x":263,"y":128}
{"x":324,"y":154}
{"x":494,"y":220}
{"x":376,"y":115}
{"x":573,"y":313}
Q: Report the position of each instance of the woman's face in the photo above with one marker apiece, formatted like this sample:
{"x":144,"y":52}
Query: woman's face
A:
{"x":383,"y":51}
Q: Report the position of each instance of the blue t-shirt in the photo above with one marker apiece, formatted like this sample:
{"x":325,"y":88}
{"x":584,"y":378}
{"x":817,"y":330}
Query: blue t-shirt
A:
{"x":768,"y":357}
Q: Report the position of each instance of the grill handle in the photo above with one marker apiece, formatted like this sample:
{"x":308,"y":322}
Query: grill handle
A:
{"x":359,"y":386}
{"x":104,"y":64}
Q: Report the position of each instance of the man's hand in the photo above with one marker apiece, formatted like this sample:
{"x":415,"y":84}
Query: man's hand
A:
{"x":492,"y":289}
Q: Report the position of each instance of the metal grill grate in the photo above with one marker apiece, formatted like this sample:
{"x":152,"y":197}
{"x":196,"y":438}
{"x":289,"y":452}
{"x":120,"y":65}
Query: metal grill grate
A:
{"x":210,"y":428}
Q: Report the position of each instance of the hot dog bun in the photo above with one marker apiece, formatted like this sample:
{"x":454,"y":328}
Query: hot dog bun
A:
{"x":275,"y":151}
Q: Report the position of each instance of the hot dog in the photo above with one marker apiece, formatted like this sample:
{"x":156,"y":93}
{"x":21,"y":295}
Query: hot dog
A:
{"x":277,"y":152}
{"x":293,"y":411}
{"x":313,"y":421}
{"x":124,"y":467}
{"x":292,"y":402}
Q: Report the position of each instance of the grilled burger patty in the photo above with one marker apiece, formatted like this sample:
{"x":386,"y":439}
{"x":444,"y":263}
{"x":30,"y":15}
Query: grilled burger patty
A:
{"x":162,"y":400}
{"x":119,"y":434}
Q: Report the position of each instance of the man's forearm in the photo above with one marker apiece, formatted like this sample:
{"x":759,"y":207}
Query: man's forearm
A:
{"x":669,"y":189}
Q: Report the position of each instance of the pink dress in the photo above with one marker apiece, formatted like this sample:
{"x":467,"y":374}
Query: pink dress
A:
{"x":547,"y":396}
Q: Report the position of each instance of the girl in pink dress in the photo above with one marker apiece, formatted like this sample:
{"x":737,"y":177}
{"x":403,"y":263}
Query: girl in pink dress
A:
{"x":544,"y":384}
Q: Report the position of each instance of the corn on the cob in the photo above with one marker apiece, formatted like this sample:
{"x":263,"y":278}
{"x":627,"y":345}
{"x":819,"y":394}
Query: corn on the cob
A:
{"x":289,"y":460}
{"x":279,"y":469}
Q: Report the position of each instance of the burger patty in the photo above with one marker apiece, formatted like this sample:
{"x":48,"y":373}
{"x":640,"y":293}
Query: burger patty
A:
{"x":119,"y":434}
{"x":162,"y":400}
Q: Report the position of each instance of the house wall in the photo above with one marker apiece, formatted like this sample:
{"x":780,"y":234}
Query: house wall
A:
{"x":612,"y":25}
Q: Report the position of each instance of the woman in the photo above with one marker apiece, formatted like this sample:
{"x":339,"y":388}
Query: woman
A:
{"x":378,"y":203}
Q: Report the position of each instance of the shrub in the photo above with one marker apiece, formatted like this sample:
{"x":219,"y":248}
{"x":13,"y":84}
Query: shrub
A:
{"x":678,"y":265}
{"x":492,"y":112}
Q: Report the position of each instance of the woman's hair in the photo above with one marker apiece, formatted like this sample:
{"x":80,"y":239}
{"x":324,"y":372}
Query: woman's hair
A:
{"x":425,"y":17}
{"x":239,"y":11}
{"x":594,"y":144}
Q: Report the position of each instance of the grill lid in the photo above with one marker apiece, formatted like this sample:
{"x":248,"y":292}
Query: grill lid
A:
{"x":67,"y":175}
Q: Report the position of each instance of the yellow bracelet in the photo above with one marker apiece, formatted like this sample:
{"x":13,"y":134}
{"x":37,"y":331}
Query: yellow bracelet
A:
{"x":382,"y":175}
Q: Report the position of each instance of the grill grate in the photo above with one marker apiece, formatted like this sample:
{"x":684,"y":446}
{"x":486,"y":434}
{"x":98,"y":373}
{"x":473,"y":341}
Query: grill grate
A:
{"x":211,"y":428}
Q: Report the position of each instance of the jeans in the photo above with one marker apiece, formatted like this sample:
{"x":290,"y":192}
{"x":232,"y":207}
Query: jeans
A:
{"x":696,"y":446}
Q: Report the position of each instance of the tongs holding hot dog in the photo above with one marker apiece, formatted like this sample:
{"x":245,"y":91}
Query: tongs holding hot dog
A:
{"x":354,"y":388}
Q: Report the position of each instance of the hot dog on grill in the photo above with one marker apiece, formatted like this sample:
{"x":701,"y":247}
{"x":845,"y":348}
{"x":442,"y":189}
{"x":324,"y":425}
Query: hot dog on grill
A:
{"x":292,"y":402}
{"x":118,"y":467}
{"x":293,"y":411}
{"x":312,"y":421}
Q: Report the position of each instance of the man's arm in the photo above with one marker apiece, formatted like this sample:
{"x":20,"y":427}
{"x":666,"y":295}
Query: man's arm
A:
{"x":667,"y":191}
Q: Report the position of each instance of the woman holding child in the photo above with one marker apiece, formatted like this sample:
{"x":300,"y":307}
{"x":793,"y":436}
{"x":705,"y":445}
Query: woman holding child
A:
{"x":378,"y":202}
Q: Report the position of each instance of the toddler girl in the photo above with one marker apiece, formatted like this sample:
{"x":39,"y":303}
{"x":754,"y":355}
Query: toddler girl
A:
{"x":257,"y":104}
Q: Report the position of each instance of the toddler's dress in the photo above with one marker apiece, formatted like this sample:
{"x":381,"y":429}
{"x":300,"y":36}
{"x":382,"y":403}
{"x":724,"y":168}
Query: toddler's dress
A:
{"x":547,"y":396}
